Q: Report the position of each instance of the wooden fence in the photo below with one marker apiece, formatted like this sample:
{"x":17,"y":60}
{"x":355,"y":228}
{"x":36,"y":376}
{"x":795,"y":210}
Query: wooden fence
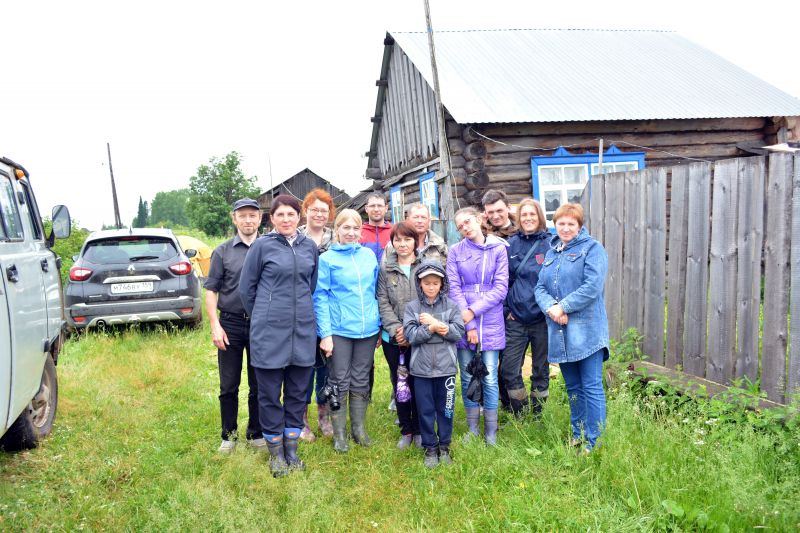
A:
{"x":704,"y":260}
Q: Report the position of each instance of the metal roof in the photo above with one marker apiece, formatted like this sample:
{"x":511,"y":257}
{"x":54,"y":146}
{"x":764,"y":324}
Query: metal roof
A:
{"x":542,"y":75}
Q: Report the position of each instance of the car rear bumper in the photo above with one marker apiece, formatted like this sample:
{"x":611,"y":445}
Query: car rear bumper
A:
{"x":83,"y":315}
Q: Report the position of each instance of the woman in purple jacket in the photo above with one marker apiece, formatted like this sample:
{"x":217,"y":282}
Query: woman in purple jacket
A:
{"x":477,"y":268}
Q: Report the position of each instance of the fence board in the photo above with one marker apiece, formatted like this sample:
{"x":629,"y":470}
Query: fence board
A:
{"x":793,"y":379}
{"x":750,"y":238}
{"x":697,"y":268}
{"x":676,"y":267}
{"x":633,"y":252}
{"x":776,"y":276}
{"x":655,"y":257}
{"x":614,"y":234}
{"x":722,"y":272}
{"x":596,"y":203}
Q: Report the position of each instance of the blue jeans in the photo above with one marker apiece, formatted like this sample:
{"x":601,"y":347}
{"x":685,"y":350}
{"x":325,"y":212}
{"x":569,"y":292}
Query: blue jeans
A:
{"x":587,"y":401}
{"x":491,"y":391}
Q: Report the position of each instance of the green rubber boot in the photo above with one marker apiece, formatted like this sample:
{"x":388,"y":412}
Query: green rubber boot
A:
{"x":339,"y":423}
{"x":358,"y":414}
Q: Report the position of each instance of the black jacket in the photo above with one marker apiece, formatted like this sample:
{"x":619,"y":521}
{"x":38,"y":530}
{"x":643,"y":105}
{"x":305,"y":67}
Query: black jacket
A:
{"x":521,"y":300}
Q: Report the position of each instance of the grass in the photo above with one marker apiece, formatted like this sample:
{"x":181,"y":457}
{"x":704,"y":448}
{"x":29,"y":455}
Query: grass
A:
{"x":137,"y":429}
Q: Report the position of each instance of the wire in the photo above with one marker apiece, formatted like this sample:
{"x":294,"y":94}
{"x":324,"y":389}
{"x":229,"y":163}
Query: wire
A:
{"x":612,"y":141}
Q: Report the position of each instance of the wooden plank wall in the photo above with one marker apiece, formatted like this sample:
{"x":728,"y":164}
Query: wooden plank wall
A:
{"x":732,"y":227}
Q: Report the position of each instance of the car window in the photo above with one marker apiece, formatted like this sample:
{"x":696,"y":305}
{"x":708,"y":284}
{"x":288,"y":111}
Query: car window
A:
{"x":9,"y":212}
{"x":33,"y":211}
{"x":129,"y":250}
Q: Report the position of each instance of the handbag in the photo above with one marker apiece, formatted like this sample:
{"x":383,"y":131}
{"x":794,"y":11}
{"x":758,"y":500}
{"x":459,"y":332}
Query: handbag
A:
{"x":403,"y":393}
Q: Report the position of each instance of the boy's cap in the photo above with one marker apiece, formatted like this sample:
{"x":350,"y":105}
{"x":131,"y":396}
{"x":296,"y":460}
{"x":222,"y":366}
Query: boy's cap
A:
{"x":245,"y":202}
{"x":428,"y":272}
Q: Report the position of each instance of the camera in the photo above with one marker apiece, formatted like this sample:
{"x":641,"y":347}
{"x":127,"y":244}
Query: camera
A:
{"x":329,"y":393}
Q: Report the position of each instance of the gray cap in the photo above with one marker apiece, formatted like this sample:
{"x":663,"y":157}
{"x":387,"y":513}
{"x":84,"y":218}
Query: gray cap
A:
{"x":428,"y":271}
{"x":245,"y":202}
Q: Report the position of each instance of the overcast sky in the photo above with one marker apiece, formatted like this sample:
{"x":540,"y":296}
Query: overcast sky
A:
{"x":170,"y":83}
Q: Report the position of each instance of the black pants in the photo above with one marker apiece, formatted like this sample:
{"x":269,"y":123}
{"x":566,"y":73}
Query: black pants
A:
{"x":435,"y":399}
{"x":292,"y":381}
{"x":518,"y":336}
{"x":406,"y":411}
{"x":230,"y":375}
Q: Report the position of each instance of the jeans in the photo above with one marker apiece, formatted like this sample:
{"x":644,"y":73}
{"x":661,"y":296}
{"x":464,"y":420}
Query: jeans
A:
{"x":490,"y":389}
{"x":587,"y":401}
{"x":230,"y":376}
{"x":406,"y":411}
{"x":434,"y":406}
{"x":518,"y":336}
{"x":275,"y":416}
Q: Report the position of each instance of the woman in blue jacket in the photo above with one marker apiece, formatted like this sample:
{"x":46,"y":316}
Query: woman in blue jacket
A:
{"x":525,"y":322}
{"x":570,"y":290}
{"x":348,"y":323}
{"x":276,"y":286}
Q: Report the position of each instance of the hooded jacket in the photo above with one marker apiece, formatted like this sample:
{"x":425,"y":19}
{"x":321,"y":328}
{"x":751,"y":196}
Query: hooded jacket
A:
{"x":478,"y":276}
{"x":276,"y":285}
{"x":575,"y":278}
{"x":375,"y":237}
{"x":344,"y":301}
{"x":395,"y":291}
{"x":521,"y":298}
{"x":432,"y":355}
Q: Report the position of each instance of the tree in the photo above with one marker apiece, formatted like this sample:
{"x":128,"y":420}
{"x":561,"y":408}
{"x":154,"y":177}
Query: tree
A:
{"x":140,"y":221}
{"x":213,"y":190}
{"x":170,"y":208}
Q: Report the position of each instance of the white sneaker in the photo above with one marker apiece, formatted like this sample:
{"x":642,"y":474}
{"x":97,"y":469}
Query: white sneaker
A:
{"x":227,"y":446}
{"x":392,"y":405}
{"x":259,"y":444}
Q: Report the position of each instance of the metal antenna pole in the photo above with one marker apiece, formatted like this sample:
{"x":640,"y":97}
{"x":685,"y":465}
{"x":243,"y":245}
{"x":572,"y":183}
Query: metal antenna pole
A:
{"x":117,"y":220}
{"x":444,"y":151}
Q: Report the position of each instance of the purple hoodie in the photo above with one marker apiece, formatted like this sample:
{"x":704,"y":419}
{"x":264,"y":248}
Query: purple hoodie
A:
{"x":478,"y":275}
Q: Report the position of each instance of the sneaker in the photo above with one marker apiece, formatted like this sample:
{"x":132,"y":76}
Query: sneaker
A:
{"x":444,"y":456}
{"x":259,"y":444}
{"x":228,"y":446}
{"x":418,"y":441}
{"x":431,"y":458}
{"x":392,"y":405}
{"x":404,"y":442}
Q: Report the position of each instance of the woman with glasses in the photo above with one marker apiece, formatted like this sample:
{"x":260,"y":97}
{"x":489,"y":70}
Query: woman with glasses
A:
{"x":477,"y":268}
{"x":348,"y":324}
{"x":276,"y":287}
{"x":319,"y":210}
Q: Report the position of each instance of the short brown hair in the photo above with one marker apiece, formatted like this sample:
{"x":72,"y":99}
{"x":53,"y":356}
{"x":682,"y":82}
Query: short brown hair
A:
{"x":403,"y":229}
{"x":493,"y":196}
{"x":569,"y":210}
{"x":323,"y":196}
{"x":284,"y":199}
{"x":539,"y":212}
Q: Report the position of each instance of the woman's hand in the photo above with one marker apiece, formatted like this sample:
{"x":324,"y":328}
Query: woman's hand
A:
{"x":326,"y":345}
{"x":472,"y":336}
{"x":467,"y":315}
{"x":563,"y":319}
{"x":399,"y":336}
{"x":555,"y":312}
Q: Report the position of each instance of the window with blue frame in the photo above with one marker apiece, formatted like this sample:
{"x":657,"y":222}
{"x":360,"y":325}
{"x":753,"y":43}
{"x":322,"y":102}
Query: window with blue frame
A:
{"x":396,"y":200}
{"x":561,"y":177}
{"x":427,"y":193}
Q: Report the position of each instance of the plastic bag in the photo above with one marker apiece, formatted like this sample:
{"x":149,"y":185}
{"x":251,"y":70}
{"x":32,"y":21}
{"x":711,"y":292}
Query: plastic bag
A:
{"x":403,"y":390}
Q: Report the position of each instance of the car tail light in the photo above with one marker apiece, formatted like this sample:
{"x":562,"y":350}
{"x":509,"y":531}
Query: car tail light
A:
{"x":186,"y":309}
{"x":77,"y":273}
{"x":182,"y":268}
{"x":79,"y":319}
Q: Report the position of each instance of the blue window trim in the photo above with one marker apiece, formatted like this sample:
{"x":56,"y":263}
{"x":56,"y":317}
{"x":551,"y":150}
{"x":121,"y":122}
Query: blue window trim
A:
{"x":393,"y":190}
{"x":430,"y":176}
{"x":563,"y":157}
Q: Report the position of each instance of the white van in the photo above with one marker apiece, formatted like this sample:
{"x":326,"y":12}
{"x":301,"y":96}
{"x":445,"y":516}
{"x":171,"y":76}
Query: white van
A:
{"x":31,"y":311}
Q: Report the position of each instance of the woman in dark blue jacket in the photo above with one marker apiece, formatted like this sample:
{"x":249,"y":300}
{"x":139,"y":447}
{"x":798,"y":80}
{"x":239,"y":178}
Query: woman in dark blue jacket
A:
{"x":277,"y":283}
{"x":525,"y":322}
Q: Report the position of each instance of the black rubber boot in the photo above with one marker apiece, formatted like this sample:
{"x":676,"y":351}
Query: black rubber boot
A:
{"x":290,"y":453}
{"x":518,"y":401}
{"x":277,"y":462}
{"x":339,"y":423}
{"x":358,"y":415}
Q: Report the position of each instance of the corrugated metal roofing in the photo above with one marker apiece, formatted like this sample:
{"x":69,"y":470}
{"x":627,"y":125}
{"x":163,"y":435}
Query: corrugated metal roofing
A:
{"x":574,"y":75}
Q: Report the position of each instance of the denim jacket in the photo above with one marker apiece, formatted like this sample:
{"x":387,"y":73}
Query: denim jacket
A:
{"x":575,"y":277}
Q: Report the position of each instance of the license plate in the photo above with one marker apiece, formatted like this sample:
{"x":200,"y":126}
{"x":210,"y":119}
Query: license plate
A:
{"x":129,"y":288}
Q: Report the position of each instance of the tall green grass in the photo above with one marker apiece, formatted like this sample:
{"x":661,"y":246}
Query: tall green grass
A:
{"x":134,"y":449}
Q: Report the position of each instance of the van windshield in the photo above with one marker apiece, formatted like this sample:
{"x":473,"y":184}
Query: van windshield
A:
{"x":130,"y":249}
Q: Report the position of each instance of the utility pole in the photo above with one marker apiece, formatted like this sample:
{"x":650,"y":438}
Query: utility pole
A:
{"x":444,"y":151}
{"x":117,"y":220}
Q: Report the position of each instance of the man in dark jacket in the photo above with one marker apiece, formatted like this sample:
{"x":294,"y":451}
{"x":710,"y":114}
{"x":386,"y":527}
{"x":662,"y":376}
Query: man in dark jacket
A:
{"x":230,"y":331}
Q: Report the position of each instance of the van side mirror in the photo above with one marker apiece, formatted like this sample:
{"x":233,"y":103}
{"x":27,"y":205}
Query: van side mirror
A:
{"x":62,"y":224}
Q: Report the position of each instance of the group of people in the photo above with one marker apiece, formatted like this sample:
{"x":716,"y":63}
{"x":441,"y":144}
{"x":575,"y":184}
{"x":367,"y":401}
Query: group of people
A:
{"x":309,"y":304}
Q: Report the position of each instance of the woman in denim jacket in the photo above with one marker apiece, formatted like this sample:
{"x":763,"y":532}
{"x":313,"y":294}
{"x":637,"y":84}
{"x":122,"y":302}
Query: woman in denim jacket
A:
{"x":570,"y":290}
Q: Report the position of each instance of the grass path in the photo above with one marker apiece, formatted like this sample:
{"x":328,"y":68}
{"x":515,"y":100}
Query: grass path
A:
{"x":137,"y":429}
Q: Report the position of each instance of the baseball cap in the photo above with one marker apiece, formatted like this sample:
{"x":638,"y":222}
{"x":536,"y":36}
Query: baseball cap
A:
{"x":245,"y":202}
{"x":428,"y":272}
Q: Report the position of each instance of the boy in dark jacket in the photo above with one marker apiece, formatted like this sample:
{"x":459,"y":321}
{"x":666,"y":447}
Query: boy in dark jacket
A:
{"x":432,"y":325}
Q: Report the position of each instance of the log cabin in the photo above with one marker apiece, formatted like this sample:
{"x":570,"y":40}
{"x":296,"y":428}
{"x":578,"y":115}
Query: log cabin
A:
{"x":528,"y":110}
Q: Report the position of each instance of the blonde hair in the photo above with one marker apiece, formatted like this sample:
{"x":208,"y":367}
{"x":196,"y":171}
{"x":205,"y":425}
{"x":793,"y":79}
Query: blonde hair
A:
{"x":344,"y":216}
{"x":569,"y":210}
{"x":539,"y":212}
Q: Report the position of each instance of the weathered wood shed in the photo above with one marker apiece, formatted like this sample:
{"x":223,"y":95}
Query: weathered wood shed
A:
{"x":526,"y":110}
{"x":298,"y":186}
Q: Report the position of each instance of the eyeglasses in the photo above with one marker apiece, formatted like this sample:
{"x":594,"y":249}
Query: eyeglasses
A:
{"x":315,"y":211}
{"x":467,"y":222}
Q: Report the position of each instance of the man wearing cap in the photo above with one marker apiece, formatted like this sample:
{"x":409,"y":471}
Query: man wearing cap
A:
{"x":230,"y":332}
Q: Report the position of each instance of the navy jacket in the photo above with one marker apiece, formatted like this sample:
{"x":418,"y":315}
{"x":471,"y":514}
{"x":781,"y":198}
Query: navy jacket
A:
{"x":276,"y":286}
{"x":521,"y":299}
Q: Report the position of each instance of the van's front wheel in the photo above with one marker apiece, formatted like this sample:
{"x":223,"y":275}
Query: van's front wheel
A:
{"x":36,"y":421}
